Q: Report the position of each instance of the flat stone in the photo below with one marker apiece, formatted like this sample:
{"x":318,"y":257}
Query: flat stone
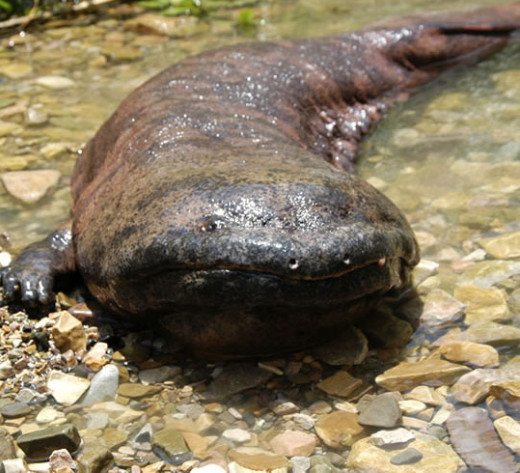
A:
{"x":113,"y":437}
{"x":509,"y":431}
{"x":411,"y":406}
{"x":197,"y":444}
{"x":473,"y":387}
{"x":508,"y":390}
{"x":491,"y":333}
{"x":292,"y":443}
{"x":30,"y":186}
{"x":41,"y":443}
{"x":283,"y":408}
{"x":103,"y":386}
{"x":483,"y":304}
{"x":8,"y":128}
{"x":135,"y":390}
{"x":396,"y":438}
{"x":66,"y":388}
{"x":7,"y":446}
{"x":476,"y":441}
{"x":55,"y":82}
{"x":48,"y":414}
{"x":431,"y":371}
{"x":236,"y":378}
{"x":339,"y":429}
{"x":489,"y":272}
{"x":502,"y":247}
{"x":256,"y":459}
{"x":171,"y":444}
{"x":13,"y":410}
{"x":425,"y":394}
{"x":159,"y":374}
{"x":348,"y":349}
{"x":366,"y":457}
{"x":441,"y":309}
{"x":96,"y":357}
{"x":409,"y":456}
{"x":383,"y":411}
{"x":476,"y":354}
{"x":236,"y":435}
{"x":94,"y":458}
{"x":16,"y":70}
{"x":340,"y":383}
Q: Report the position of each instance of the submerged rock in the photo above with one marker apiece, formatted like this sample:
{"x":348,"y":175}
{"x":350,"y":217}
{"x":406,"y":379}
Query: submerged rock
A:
{"x":30,"y":186}
{"x":41,"y":443}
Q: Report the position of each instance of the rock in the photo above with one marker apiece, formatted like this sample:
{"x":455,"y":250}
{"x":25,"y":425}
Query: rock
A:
{"x":68,"y":333}
{"x":55,"y":82}
{"x":430,"y":371}
{"x":30,"y":186}
{"x":103,"y":386}
{"x":35,"y":116}
{"x":509,"y":431}
{"x":411,"y":406}
{"x":340,"y":384}
{"x":13,"y":410}
{"x":113,"y":437}
{"x":489,"y":272}
{"x":66,"y":388}
{"x":437,"y":456}
{"x":94,"y":458}
{"x":350,"y":348}
{"x":96,"y":357}
{"x":7,"y":446}
{"x":441,"y":309}
{"x":41,"y":443}
{"x":300,"y":464}
{"x":117,"y":53}
{"x":283,"y":408}
{"x":61,"y":459}
{"x":171,"y":445}
{"x":383,"y":411}
{"x":396,"y":438}
{"x":97,"y":420}
{"x":252,"y":458}
{"x":502,"y":247}
{"x":476,"y":354}
{"x":475,"y":440}
{"x":491,"y":333}
{"x":339,"y":429}
{"x":483,"y":304}
{"x":6,"y":369}
{"x":508,"y":390}
{"x":48,"y":414}
{"x":173,"y":27}
{"x":194,"y":411}
{"x":5,"y":259}
{"x":425,"y":394}
{"x":473,"y":387}
{"x":209,"y":468}
{"x":8,"y":128}
{"x":159,"y":374}
{"x":197,"y":444}
{"x":16,"y":465}
{"x":424,"y":270}
{"x":16,"y":70}
{"x":135,"y":390}
{"x":407,"y":457}
{"x":236,"y":435}
{"x":236,"y":378}
{"x":292,"y":443}
{"x":30,"y":396}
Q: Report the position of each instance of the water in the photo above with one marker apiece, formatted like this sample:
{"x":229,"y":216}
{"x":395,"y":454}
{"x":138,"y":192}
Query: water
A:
{"x":449,"y":157}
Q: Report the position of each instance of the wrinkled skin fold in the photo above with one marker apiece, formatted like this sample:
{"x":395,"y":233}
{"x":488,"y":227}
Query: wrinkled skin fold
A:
{"x":219,"y":200}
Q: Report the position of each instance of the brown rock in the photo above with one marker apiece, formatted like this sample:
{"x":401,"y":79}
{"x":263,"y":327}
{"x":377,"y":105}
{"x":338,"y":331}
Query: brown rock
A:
{"x":68,"y":333}
{"x":236,"y":378}
{"x":339,"y":429}
{"x":483,"y":304}
{"x":174,"y":27}
{"x":350,"y":348}
{"x":292,"y":443}
{"x":382,"y":411}
{"x":135,"y":390}
{"x":441,"y":309}
{"x":509,"y":431}
{"x":504,"y":246}
{"x":340,"y":384}
{"x":431,"y":371}
{"x":196,"y":443}
{"x":96,"y":357}
{"x":476,"y":354}
{"x":7,"y":447}
{"x":30,"y":186}
{"x":476,"y":441}
{"x":254,"y":458}
{"x":491,"y":333}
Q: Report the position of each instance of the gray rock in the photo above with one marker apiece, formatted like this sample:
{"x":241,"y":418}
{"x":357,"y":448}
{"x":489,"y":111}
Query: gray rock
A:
{"x":7,"y":447}
{"x":169,"y":444}
{"x":236,"y":378}
{"x":94,"y":458}
{"x":15,"y":409}
{"x":29,"y":396}
{"x":159,"y":375}
{"x":349,"y":348}
{"x":407,"y":457}
{"x":40,"y":444}
{"x":103,"y":386}
{"x":300,"y":464}
{"x":476,"y":441}
{"x":383,"y":411}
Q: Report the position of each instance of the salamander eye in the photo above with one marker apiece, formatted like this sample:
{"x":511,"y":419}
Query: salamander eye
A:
{"x":293,"y":264}
{"x":210,"y":225}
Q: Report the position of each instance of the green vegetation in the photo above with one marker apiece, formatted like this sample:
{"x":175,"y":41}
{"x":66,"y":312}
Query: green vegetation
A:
{"x":13,"y":7}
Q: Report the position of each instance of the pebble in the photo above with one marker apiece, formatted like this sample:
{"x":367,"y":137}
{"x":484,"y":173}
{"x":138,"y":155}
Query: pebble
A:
{"x":476,"y":441}
{"x":253,"y":458}
{"x":293,"y":443}
{"x":68,"y":332}
{"x":55,"y":82}
{"x":476,"y":354}
{"x":96,"y":357}
{"x":491,"y":333}
{"x":7,"y":445}
{"x":30,"y":186}
{"x":502,"y":247}
{"x":136,"y":391}
{"x":382,"y":411}
{"x":441,"y":309}
{"x":300,"y":464}
{"x":9,"y":128}
{"x":159,"y":374}
{"x":407,"y":375}
{"x":94,"y":458}
{"x":395,"y":438}
{"x":173,"y":27}
{"x":407,"y":457}
{"x":339,"y":429}
{"x":48,"y":414}
{"x":41,"y":443}
{"x":340,"y":384}
{"x":66,"y":388}
{"x":425,"y":394}
{"x":509,"y":431}
{"x":171,"y":445}
{"x":12,"y":410}
{"x":236,"y":435}
{"x":483,"y":304}
{"x":103,"y":386}
{"x":60,"y":460}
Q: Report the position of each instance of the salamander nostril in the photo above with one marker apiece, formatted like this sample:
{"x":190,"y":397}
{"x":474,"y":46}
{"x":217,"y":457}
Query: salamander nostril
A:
{"x":293,"y":263}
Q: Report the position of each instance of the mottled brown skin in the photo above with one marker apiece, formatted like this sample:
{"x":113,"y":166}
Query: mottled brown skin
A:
{"x":215,"y":200}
